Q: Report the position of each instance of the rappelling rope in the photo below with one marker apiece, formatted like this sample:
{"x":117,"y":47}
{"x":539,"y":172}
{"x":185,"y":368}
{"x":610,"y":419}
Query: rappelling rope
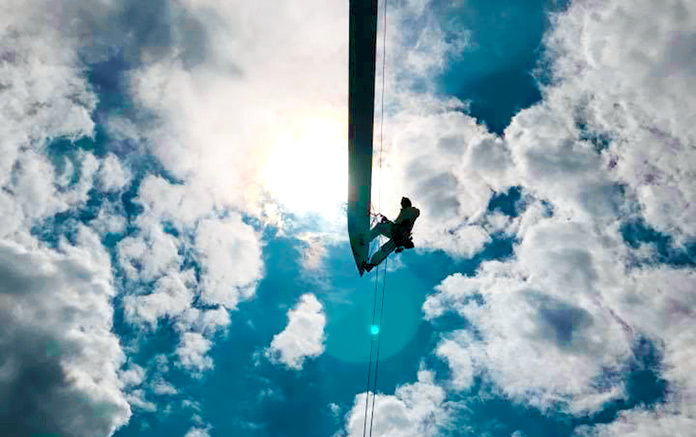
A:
{"x":384,"y":280}
{"x":381,"y":314}
{"x":369,"y":366}
{"x":381,"y":121}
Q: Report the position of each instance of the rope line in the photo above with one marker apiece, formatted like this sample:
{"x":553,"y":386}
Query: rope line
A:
{"x":384,"y":280}
{"x":369,"y":365}
{"x":381,"y":122}
{"x":381,"y":318}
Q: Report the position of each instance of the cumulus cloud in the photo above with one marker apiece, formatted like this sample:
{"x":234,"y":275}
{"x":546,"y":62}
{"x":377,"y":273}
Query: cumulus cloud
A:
{"x":180,"y":224}
{"x":63,"y":332}
{"x":414,"y":410}
{"x":545,"y":309}
{"x":35,"y":192}
{"x":198,"y":432}
{"x":459,"y":356}
{"x":132,"y":377}
{"x":660,"y":302}
{"x":170,"y":297}
{"x":610,"y":141}
{"x":43,"y":96}
{"x":44,"y":93}
{"x":192,"y":353}
{"x":643,"y":423}
{"x":231,"y":260}
{"x":313,"y":253}
{"x":622,"y":70}
{"x":149,"y":256}
{"x":303,"y":337}
{"x":180,"y":205}
{"x":60,"y":359}
{"x":112,"y":175}
{"x":163,"y":388}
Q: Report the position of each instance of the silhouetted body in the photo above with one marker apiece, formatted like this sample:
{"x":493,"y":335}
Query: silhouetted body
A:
{"x":398,"y":231}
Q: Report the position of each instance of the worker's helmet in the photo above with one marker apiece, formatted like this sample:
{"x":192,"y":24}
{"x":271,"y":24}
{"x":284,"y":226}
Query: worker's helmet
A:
{"x":405,"y":202}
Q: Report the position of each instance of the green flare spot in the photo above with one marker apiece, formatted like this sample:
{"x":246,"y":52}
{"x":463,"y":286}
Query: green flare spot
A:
{"x":374,"y":329}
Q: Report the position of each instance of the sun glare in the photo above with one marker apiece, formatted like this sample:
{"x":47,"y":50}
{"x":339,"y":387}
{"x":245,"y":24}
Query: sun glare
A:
{"x":307,"y":168}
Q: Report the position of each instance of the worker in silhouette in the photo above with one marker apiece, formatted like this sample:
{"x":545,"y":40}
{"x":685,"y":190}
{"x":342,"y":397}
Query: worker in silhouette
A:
{"x":398,"y":232}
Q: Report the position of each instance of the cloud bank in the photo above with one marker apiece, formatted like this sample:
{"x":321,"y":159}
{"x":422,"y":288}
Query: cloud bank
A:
{"x":609,"y":144}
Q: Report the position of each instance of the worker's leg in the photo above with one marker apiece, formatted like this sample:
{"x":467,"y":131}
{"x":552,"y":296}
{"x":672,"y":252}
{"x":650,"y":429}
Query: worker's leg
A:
{"x":383,"y":252}
{"x":384,"y":228}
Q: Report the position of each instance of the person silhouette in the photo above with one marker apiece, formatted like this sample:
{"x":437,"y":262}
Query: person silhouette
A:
{"x":398,"y":232}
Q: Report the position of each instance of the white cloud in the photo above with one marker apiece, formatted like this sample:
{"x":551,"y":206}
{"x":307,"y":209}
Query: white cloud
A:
{"x":163,"y":388}
{"x":236,"y":108}
{"x":45,"y":96}
{"x":136,"y":398}
{"x":544,"y":309}
{"x":60,"y":358}
{"x":78,"y":194}
{"x":170,"y":297}
{"x":231,"y":260}
{"x":191,"y":353}
{"x":60,"y":352}
{"x":335,"y":409}
{"x":313,"y":253}
{"x":303,"y":337}
{"x":181,"y":205}
{"x":207,"y":322}
{"x":459,"y":357}
{"x":198,"y":432}
{"x":109,"y":221}
{"x":34,"y":186}
{"x":112,"y":175}
{"x":414,"y":410}
{"x":613,"y":131}
{"x":623,"y":69}
{"x":132,"y":377}
{"x":149,"y":256}
{"x":227,"y":249}
{"x":644,"y":423}
{"x":660,"y":302}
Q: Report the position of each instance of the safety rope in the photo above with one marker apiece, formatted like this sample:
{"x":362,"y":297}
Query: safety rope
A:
{"x":369,"y":366}
{"x":384,"y":280}
{"x":381,"y":122}
{"x":381,"y":315}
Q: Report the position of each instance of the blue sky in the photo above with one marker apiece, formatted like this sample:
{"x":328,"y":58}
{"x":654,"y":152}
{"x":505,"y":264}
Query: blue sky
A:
{"x":173,"y":253}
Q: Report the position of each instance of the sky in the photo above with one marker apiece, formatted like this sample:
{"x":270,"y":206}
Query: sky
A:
{"x":174,"y":259}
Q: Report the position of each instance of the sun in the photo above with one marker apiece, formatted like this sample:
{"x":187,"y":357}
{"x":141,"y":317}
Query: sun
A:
{"x":307,"y":168}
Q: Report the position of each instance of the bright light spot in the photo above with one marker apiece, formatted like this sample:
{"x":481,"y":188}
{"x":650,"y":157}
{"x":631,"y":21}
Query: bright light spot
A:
{"x":374,"y":329}
{"x":307,"y":168}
